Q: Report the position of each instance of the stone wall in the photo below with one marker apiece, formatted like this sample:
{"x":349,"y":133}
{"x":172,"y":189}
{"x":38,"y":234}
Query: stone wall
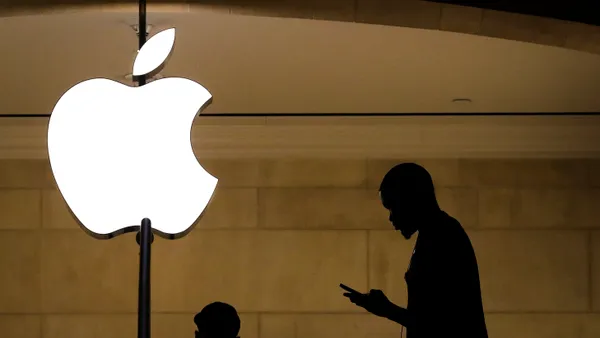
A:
{"x":282,"y":234}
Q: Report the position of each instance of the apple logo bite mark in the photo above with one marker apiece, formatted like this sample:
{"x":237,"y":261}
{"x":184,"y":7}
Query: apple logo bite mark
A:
{"x":120,"y":154}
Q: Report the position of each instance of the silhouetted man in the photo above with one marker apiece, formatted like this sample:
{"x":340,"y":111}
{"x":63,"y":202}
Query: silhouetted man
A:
{"x":444,"y":295}
{"x":217,"y":320}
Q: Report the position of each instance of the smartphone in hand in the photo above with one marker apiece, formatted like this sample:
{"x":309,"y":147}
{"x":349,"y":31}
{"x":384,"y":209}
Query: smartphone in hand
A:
{"x":349,"y":289}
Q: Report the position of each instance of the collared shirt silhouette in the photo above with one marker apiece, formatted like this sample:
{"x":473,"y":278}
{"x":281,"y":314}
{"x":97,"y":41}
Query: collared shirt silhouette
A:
{"x":444,"y":294}
{"x":217,"y":320}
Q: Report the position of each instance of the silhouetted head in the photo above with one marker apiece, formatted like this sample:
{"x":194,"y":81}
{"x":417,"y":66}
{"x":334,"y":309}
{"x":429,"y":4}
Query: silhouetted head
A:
{"x":217,"y":320}
{"x":407,"y":192}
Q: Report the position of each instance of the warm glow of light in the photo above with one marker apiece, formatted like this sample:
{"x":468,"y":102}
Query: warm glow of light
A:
{"x":120,"y":154}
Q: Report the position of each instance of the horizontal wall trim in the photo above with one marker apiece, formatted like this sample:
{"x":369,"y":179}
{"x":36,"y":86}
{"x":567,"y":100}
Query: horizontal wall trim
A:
{"x":235,"y":115}
{"x":359,"y":137}
{"x":469,"y":229}
{"x":357,"y":313}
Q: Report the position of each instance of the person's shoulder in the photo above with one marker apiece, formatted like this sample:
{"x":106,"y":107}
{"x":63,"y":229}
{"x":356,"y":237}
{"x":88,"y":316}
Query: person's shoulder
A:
{"x":451,"y":233}
{"x":449,"y":224}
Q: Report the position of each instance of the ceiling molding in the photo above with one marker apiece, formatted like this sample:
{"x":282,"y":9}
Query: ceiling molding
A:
{"x":359,"y":137}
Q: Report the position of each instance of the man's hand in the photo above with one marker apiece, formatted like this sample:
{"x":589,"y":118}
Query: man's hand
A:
{"x":375,"y":301}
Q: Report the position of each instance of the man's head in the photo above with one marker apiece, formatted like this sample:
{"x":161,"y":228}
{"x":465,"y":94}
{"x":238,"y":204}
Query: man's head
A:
{"x":217,"y":320}
{"x":407,"y":192}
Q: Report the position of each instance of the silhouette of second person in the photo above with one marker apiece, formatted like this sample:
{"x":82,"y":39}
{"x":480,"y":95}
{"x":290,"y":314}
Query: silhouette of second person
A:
{"x":444,"y":295}
{"x":217,"y":320}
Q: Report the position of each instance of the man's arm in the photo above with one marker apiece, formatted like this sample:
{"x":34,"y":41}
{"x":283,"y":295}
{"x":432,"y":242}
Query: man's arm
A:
{"x":399,"y":315}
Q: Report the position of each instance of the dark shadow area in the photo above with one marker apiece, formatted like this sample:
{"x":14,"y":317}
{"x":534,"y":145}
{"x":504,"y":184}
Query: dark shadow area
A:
{"x":575,"y":11}
{"x":217,"y":320}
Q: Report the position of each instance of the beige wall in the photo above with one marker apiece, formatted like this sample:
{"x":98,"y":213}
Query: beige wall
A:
{"x":281,"y":235}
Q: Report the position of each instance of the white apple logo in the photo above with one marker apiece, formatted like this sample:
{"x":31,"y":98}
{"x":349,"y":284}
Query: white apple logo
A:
{"x":120,"y":154}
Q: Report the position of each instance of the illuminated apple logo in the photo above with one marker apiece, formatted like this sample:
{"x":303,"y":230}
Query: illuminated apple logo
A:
{"x":120,"y":154}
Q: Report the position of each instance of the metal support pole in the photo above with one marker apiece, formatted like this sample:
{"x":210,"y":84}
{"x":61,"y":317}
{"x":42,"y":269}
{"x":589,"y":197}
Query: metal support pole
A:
{"x":144,"y":239}
{"x":142,"y":34}
{"x":145,"y":236}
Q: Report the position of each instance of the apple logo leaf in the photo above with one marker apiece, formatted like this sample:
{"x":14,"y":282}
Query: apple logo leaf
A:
{"x":154,"y":53}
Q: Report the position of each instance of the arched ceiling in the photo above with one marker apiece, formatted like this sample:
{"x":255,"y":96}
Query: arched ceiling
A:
{"x":262,"y":64}
{"x":402,"y":13}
